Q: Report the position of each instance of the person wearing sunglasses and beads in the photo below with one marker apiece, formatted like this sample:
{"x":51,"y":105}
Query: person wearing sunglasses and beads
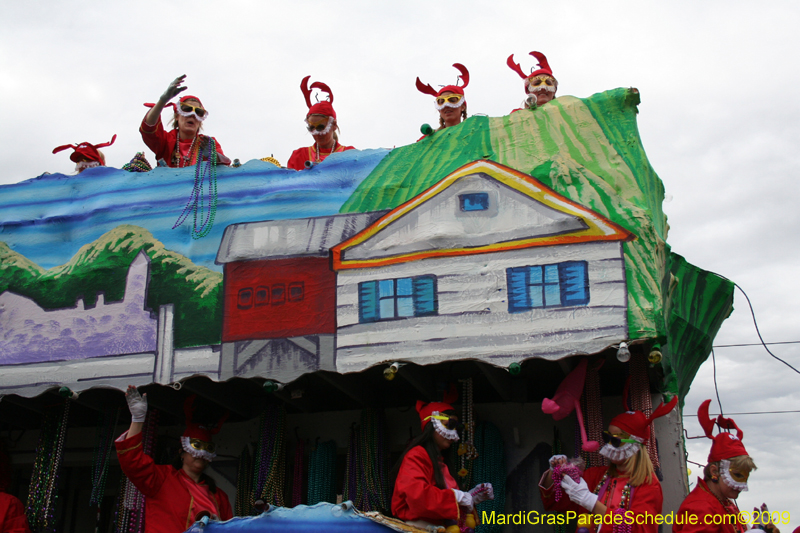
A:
{"x":725,"y":476}
{"x":540,"y":85}
{"x":175,"y":495}
{"x":321,"y":124}
{"x":627,"y":487}
{"x":184,"y":144}
{"x":449,"y":101}
{"x":425,"y":492}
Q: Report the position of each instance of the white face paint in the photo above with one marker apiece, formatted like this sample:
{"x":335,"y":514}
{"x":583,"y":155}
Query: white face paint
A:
{"x":617,"y":455}
{"x":724,"y":466}
{"x":449,"y":434}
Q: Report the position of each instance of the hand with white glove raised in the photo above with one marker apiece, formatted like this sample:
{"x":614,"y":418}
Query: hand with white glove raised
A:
{"x":579,"y":493}
{"x":173,"y":90}
{"x":464,"y":499}
{"x":481,"y":493}
{"x":137,"y":404}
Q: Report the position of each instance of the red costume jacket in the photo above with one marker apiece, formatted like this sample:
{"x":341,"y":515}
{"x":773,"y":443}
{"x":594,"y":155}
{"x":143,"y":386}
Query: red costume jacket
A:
{"x":416,"y":496}
{"x":162,"y":143}
{"x":299,"y":157}
{"x":644,"y":499}
{"x":700,"y":503}
{"x":12,"y":515}
{"x":172,"y":499}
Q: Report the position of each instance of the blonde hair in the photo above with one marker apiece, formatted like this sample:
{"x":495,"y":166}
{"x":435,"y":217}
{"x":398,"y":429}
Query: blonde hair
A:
{"x":463,"y":117}
{"x":639,"y":468}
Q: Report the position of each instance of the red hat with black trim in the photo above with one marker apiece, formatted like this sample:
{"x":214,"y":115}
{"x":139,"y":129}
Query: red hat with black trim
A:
{"x":725,"y":445}
{"x":195,"y":431}
{"x":544,"y":67}
{"x":84,"y":151}
{"x":320,"y":108}
{"x":464,"y":77}
{"x":426,"y":410}
{"x":637,"y":424}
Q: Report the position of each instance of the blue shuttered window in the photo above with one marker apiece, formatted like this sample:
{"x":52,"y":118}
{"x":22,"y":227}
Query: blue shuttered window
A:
{"x":558,"y":285}
{"x":391,"y":299}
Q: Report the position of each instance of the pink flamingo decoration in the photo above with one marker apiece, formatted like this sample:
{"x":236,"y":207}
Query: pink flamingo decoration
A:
{"x":567,"y":398}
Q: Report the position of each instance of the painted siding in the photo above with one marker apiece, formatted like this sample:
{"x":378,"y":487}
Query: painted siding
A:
{"x":473,"y":319}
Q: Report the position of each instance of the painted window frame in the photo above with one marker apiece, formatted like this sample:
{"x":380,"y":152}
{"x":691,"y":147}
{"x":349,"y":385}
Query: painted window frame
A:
{"x":421,"y":300}
{"x":571,"y":282}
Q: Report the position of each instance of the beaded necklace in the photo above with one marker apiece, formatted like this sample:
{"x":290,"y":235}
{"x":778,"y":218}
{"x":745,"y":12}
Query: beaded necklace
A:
{"x":317,"y":158}
{"x":102,"y":455}
{"x":467,"y":452}
{"x":208,"y":151}
{"x":592,"y":407}
{"x":366,"y":479}
{"x":297,"y":479}
{"x":624,"y":502}
{"x":43,"y":491}
{"x":322,"y":474}
{"x":130,"y":509}
{"x":269,"y":472}
{"x":177,"y":159}
{"x":244,"y":483}
{"x":641,"y":400}
{"x":490,"y":467}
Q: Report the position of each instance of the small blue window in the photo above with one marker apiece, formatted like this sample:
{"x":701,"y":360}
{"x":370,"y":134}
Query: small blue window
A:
{"x":390,"y":299}
{"x":475,"y":201}
{"x":559,"y":285}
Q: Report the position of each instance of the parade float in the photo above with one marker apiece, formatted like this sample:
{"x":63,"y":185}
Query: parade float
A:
{"x":316,"y":307}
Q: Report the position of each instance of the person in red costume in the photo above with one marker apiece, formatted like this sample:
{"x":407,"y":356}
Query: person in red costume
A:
{"x":174,"y":497}
{"x":449,"y":101}
{"x":86,"y":155}
{"x":425,"y":494}
{"x":184,"y":144}
{"x":12,"y":510}
{"x":628,"y":487}
{"x":724,"y":477}
{"x":540,"y":85}
{"x":322,"y":125}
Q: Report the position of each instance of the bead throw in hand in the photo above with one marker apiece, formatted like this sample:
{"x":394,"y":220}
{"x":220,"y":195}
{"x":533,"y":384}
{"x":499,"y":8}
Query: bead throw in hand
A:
{"x":137,"y":404}
{"x":561,"y":470}
{"x":481,"y":493}
{"x":558,"y":460}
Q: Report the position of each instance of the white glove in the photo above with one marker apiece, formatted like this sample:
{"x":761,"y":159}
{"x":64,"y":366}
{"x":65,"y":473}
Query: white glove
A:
{"x":137,"y":404}
{"x":481,"y":493}
{"x":558,"y":459}
{"x":174,"y":89}
{"x":464,"y":499}
{"x":579,"y":493}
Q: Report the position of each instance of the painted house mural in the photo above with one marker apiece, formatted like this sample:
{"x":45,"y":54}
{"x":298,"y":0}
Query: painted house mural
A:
{"x":532,"y":241}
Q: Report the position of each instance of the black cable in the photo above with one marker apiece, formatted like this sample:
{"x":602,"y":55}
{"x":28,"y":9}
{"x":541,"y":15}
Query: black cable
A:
{"x":754,"y":344}
{"x":716,"y":389}
{"x":755,"y":323}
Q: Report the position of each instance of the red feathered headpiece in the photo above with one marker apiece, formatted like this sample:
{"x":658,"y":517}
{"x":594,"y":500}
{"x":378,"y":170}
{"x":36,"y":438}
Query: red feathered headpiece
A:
{"x":425,"y":410}
{"x":637,"y":424}
{"x":725,"y":445}
{"x":544,"y":67}
{"x":320,"y":108}
{"x":85,"y":150}
{"x":464,"y":77}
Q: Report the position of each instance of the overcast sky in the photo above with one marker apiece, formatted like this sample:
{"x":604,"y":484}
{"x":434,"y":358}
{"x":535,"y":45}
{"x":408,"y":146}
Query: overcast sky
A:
{"x":719,"y":119}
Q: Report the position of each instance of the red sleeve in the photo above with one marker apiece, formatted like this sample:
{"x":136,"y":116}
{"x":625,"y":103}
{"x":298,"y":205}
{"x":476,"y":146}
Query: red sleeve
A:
{"x":694,"y":508}
{"x":415,"y":494}
{"x":157,"y":140}
{"x":346,"y":148}
{"x":297,"y":160}
{"x":224,"y":505}
{"x":647,"y":500}
{"x":12,"y":515}
{"x":138,"y":466}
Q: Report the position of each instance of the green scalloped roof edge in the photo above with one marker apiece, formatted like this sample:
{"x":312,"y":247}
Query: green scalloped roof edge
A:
{"x":587,"y":149}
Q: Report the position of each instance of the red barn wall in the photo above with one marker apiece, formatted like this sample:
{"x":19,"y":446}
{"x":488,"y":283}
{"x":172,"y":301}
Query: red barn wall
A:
{"x":278,"y":298}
